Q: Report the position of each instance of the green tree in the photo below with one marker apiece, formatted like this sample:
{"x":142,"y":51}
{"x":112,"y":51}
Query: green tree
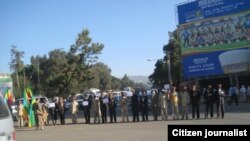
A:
{"x":159,"y":76}
{"x":17,"y":66}
{"x":82,"y":56}
{"x":173,"y":47}
{"x":172,"y":51}
{"x":126,"y":82}
{"x":115,"y":83}
{"x":102,"y":78}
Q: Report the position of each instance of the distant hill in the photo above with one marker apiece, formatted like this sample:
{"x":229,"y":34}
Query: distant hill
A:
{"x":139,"y":78}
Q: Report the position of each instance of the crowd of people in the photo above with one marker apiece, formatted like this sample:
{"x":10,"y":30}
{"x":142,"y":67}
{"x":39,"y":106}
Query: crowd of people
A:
{"x":180,"y":99}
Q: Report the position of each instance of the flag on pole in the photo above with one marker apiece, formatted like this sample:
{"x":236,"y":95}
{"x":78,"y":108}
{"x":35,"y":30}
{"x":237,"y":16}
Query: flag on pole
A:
{"x":8,"y":97}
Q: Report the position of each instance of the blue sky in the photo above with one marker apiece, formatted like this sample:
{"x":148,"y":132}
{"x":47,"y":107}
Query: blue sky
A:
{"x":131,"y":30}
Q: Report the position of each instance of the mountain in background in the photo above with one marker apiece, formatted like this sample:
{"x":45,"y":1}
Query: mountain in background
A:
{"x":139,"y":78}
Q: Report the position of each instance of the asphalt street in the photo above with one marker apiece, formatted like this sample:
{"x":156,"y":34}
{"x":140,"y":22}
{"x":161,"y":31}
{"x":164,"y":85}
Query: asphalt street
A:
{"x":132,"y":131}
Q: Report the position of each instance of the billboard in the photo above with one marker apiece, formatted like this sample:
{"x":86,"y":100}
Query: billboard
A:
{"x":206,"y":40}
{"x":217,"y":62}
{"x":204,"y":9}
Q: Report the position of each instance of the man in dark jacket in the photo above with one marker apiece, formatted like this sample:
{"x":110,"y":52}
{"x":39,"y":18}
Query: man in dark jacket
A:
{"x":112,"y":107}
{"x":155,"y":104}
{"x":103,"y":107}
{"x":87,"y":101}
{"x":135,"y":106}
{"x":144,"y":105}
{"x":195,"y":101}
{"x":209,"y":101}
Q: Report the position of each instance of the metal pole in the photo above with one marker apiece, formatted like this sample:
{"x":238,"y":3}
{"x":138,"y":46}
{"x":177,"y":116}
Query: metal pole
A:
{"x":169,"y":68}
{"x":24,"y":77}
{"x":38,"y":75}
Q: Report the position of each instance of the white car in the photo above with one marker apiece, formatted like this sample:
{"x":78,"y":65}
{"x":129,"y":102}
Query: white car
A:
{"x":7,"y":130}
{"x":93,"y":91}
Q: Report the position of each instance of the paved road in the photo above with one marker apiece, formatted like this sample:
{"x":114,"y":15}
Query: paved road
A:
{"x":146,"y":131}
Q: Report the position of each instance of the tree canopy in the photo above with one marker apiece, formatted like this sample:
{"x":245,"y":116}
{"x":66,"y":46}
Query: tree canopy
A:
{"x":63,"y":73}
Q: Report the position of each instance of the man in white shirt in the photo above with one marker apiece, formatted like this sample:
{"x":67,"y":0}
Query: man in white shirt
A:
{"x":243,"y":93}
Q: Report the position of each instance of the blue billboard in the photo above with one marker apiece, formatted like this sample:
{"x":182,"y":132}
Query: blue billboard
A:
{"x":214,"y":37}
{"x":217,"y":62}
{"x":203,"y":9}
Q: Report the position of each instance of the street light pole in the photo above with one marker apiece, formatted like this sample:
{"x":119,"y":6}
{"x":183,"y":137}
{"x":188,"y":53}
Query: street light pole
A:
{"x":169,"y":68}
{"x":38,"y":76}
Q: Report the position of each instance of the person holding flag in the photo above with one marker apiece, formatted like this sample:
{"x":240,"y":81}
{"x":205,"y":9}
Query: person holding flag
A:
{"x":28,"y":102}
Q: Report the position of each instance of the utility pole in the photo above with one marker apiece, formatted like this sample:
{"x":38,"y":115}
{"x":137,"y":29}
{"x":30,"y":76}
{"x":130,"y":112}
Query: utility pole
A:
{"x":38,"y":76}
{"x":169,"y":68}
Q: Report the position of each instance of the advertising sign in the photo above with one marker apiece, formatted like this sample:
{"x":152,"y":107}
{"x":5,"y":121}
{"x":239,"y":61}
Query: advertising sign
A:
{"x":203,"y":9}
{"x":214,"y":36}
{"x":223,"y":33}
{"x":218,"y":62}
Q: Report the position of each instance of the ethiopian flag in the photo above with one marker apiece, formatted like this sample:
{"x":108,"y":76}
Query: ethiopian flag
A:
{"x":8,"y":97}
{"x":28,"y":102}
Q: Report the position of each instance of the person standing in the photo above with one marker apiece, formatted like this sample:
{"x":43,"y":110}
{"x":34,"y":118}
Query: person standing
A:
{"x":103,"y":105}
{"x":144,"y":106}
{"x":220,"y":101}
{"x":96,"y":109}
{"x":56,"y":112}
{"x":45,"y":109}
{"x":52,"y":111}
{"x":195,"y":101}
{"x":135,"y":106}
{"x":209,"y":101}
{"x":20,"y":113}
{"x":112,"y":107}
{"x":87,"y":102}
{"x":37,"y":108}
{"x":164,"y":97}
{"x":234,"y":95}
{"x":155,"y":104}
{"x":184,"y":100}
{"x":243,"y":93}
{"x":174,"y":97}
{"x":74,"y":110}
{"x":61,"y":110}
{"x":124,"y":108}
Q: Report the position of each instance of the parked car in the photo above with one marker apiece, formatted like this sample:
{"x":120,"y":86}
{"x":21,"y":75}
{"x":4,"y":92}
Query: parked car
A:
{"x":7,"y":130}
{"x":42,"y":99}
{"x":93,"y":91}
{"x":79,"y":99}
{"x":68,"y":104}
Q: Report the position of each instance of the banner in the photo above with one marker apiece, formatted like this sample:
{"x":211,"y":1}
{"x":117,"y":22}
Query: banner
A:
{"x":213,"y":34}
{"x":221,"y":33}
{"x":203,"y":9}
{"x":218,"y":62}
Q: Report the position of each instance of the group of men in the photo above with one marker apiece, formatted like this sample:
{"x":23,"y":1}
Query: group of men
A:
{"x":178,"y":98}
{"x":40,"y":111}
